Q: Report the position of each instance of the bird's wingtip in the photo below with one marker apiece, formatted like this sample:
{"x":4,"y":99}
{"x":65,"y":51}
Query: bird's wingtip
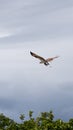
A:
{"x":58,"y":56}
{"x":30,"y":52}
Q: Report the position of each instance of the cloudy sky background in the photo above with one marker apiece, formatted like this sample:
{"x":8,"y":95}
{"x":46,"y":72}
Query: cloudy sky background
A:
{"x":46,"y":28}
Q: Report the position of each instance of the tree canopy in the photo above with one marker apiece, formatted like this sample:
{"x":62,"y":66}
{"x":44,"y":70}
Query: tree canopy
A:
{"x":45,"y":121}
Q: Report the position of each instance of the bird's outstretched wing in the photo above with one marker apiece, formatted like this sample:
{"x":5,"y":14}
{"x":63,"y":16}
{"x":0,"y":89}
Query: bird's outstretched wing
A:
{"x":37,"y":56}
{"x":42,"y":60}
{"x":52,"y":58}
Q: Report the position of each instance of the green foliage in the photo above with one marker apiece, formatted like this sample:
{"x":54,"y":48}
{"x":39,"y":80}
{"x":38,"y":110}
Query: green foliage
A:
{"x":4,"y":121}
{"x":22,"y":116}
{"x":30,"y":114}
{"x":45,"y":121}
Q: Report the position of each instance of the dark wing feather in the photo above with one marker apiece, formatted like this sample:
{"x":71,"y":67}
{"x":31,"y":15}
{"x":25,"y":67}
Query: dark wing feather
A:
{"x":37,"y":56}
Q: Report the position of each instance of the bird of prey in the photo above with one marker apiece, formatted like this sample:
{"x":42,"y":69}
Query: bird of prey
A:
{"x":42,"y":60}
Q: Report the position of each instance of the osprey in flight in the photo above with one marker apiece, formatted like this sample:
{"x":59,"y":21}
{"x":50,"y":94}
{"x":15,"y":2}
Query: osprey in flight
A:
{"x":42,"y":60}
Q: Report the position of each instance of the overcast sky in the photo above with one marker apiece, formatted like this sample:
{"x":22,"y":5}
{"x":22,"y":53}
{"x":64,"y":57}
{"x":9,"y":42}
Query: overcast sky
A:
{"x":46,"y":28}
